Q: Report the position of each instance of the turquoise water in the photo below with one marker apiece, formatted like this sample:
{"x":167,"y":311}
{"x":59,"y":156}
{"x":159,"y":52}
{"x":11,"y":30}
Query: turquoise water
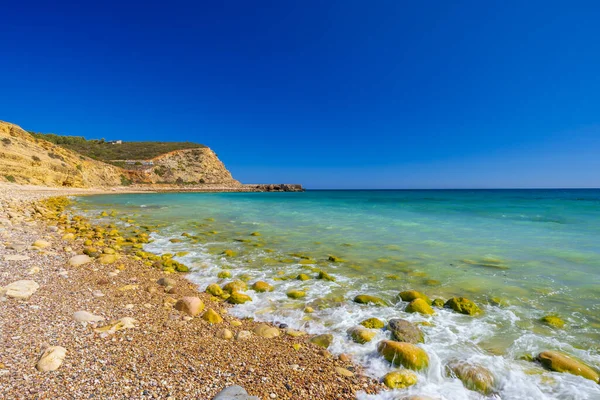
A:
{"x":519,"y":254}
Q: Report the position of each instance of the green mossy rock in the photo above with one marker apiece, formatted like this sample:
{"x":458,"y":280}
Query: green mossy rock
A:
{"x":400,"y":379}
{"x":324,"y":275}
{"x":368,"y":299}
{"x":235,"y":286}
{"x":323,"y":341}
{"x":553,"y":321}
{"x":303,"y":277}
{"x":229,"y":253}
{"x":439,"y":303}
{"x":261,"y":287}
{"x":361,"y":335}
{"x":560,"y":362}
{"x":295,"y":294}
{"x":224,"y":274}
{"x":335,"y":259}
{"x":214,"y":289}
{"x":474,"y":376}
{"x":238,"y":298}
{"x":420,"y":306}
{"x":410,"y":295}
{"x":108,"y":258}
{"x":403,"y":331}
{"x":212,"y":317}
{"x":463,"y":305}
{"x":255,"y":234}
{"x":405,"y":354}
{"x":373,"y":323}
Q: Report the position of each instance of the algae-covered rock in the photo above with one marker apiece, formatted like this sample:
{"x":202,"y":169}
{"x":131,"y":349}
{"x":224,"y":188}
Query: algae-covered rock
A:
{"x":368,"y":299}
{"x":439,"y":303}
{"x":323,"y":340}
{"x":360,"y":334}
{"x":228,"y":253}
{"x":325,"y":276}
{"x":261,"y":287}
{"x":410,"y":295}
{"x":224,"y":275}
{"x":212,"y":317}
{"x":553,"y":321}
{"x":474,"y":376}
{"x":419,"y":306}
{"x":235,"y":286}
{"x":108,"y":258}
{"x":403,"y":331}
{"x":560,"y":362}
{"x":463,"y":305}
{"x":335,"y":259}
{"x":400,"y":379}
{"x":303,"y":277}
{"x":214,"y":289}
{"x":373,"y":323}
{"x":295,"y":294}
{"x":238,"y":298}
{"x":406,"y":354}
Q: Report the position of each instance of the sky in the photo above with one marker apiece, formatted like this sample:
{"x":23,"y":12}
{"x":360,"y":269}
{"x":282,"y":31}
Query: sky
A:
{"x":329,"y":94}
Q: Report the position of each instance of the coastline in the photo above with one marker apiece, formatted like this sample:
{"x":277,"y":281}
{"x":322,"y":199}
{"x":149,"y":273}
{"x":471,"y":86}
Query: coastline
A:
{"x":167,"y":354}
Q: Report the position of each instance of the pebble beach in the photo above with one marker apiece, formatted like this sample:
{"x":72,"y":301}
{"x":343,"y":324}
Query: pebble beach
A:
{"x":110,"y":327}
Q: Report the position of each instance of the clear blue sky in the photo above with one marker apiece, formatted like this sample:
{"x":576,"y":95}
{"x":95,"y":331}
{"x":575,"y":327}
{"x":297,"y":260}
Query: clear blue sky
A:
{"x":331,"y":94}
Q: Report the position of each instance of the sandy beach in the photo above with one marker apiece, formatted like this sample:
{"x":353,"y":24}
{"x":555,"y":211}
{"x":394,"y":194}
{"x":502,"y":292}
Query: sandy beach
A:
{"x":115,"y":328}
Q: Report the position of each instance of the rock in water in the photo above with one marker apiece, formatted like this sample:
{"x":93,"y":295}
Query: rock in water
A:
{"x":373,"y":323}
{"x":400,"y":379}
{"x":553,"y":321}
{"x":404,"y":331}
{"x":323,"y":341}
{"x":367,"y":299}
{"x":81,"y":259}
{"x":420,"y":306}
{"x":84,"y":316}
{"x":190,"y":305}
{"x":214,"y":289}
{"x":51,"y":359}
{"x":405,"y":354}
{"x":261,"y":286}
{"x":360,"y":334}
{"x":410,"y":295}
{"x":21,"y":289}
{"x":474,"y":376}
{"x":463,"y":306}
{"x":238,"y":298}
{"x":234,"y":393}
{"x":559,"y":362}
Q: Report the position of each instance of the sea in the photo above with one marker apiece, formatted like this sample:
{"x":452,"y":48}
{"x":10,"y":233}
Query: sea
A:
{"x":519,"y":254}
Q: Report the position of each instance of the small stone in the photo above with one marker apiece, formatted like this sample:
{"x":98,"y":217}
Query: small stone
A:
{"x":79,"y":260}
{"x":234,"y":393}
{"x":190,"y":305}
{"x":295,"y":294}
{"x":243,"y":335}
{"x":345,"y":358}
{"x":344,"y":372}
{"x":51,"y":359}
{"x":266,"y":331}
{"x":238,"y":298}
{"x":323,"y":340}
{"x":33,"y":270}
{"x":214,"y":289}
{"x":165,"y":281}
{"x":261,"y":286}
{"x":400,"y":379}
{"x":15,"y":257}
{"x":373,"y":323}
{"x":360,"y":334}
{"x":41,"y":244}
{"x":23,"y":289}
{"x":84,"y":316}
{"x":212,"y":317}
{"x":225,"y":334}
{"x":68,"y":237}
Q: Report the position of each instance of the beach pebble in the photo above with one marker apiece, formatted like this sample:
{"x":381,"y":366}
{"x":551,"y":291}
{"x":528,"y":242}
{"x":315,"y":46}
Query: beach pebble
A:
{"x":344,"y":372}
{"x":33,"y":270}
{"x":41,"y":244}
{"x":266,"y":331}
{"x":81,"y":259}
{"x":190,"y":305}
{"x":51,"y":359}
{"x":243,"y":335}
{"x":167,"y":282}
{"x":84,"y":316}
{"x":21,"y":289}
{"x":234,"y":393}
{"x":15,"y":257}
{"x":225,"y":334}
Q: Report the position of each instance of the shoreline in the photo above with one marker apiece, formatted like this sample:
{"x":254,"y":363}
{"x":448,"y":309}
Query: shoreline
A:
{"x":167,"y":354}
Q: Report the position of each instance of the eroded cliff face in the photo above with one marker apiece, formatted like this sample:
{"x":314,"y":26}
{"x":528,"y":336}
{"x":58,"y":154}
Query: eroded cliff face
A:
{"x":27,"y":160}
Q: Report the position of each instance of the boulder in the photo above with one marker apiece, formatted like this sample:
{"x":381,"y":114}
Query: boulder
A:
{"x":51,"y":359}
{"x":238,"y":298}
{"x":323,"y":340}
{"x":439,"y":303}
{"x":214,"y":289}
{"x":79,"y":260}
{"x":234,"y":393}
{"x":235,"y":286}
{"x":367,"y":299}
{"x":400,"y":379}
{"x":410,"y":295}
{"x":474,"y":376}
{"x":405,"y":354}
{"x":190,"y":305}
{"x":553,"y":321}
{"x":84,"y":316}
{"x":21,"y":289}
{"x":560,"y":362}
{"x":463,"y":305}
{"x":295,"y":294}
{"x":360,"y":334}
{"x":325,"y":276}
{"x":404,"y":331}
{"x":373,"y":323}
{"x":261,"y":286}
{"x":212,"y":317}
{"x":420,"y":306}
{"x":303,"y":277}
{"x":266,"y":331}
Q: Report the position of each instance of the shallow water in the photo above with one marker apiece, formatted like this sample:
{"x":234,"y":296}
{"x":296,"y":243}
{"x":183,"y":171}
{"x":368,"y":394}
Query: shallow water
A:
{"x":519,"y":254}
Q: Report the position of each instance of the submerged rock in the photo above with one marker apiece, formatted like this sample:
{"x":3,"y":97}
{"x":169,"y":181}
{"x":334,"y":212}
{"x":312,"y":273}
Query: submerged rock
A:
{"x":325,"y":276}
{"x":559,"y":362}
{"x":261,"y":286}
{"x":323,"y":340}
{"x":474,"y":376}
{"x":410,"y":295}
{"x":303,"y":277}
{"x":373,"y":323}
{"x":235,"y":286}
{"x":51,"y":359}
{"x":553,"y":321}
{"x":420,"y":306}
{"x":406,"y":354}
{"x":238,"y":298}
{"x":360,"y":334}
{"x":404,"y":331}
{"x":439,"y":303}
{"x":463,"y":306}
{"x":400,"y":379}
{"x":368,"y":299}
{"x":295,"y":294}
